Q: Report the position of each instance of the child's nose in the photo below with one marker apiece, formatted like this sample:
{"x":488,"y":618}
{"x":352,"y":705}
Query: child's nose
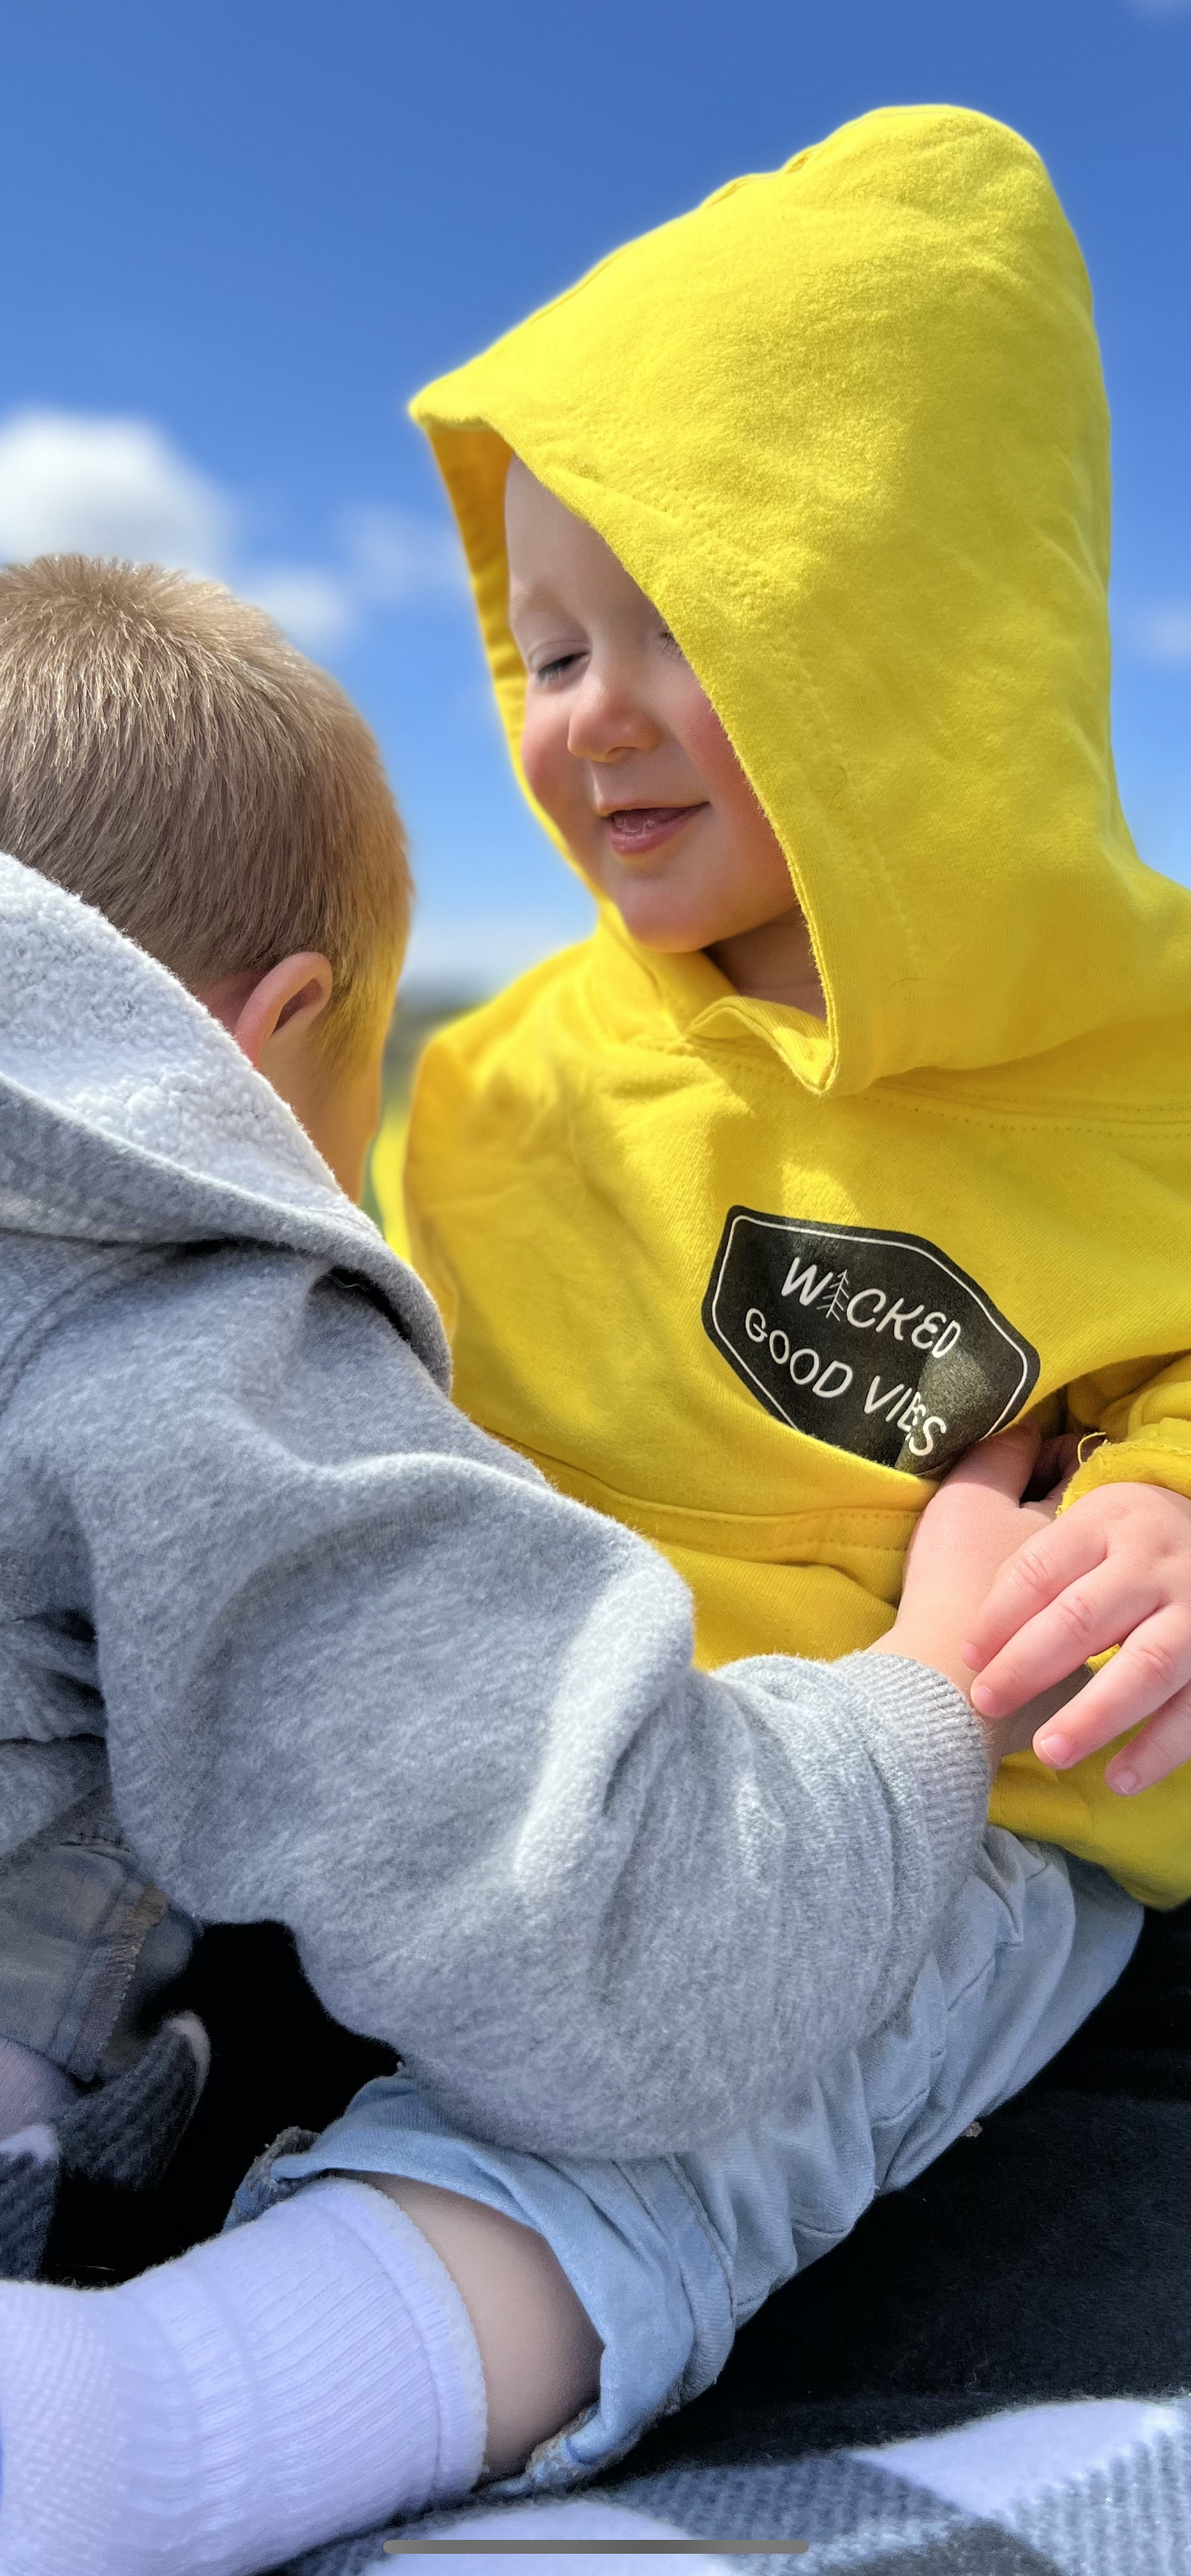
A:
{"x":608,"y":718}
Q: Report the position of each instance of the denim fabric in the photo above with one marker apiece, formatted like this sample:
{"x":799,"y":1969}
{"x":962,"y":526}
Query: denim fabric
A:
{"x":87,"y":1943}
{"x":670,"y":2255}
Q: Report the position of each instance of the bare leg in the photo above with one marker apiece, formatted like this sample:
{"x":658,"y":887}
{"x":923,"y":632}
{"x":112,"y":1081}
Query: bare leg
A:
{"x":539,"y":2351}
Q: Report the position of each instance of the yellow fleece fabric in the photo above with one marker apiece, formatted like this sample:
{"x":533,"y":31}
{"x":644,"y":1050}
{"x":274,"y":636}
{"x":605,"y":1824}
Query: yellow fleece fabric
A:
{"x":741,"y":1277}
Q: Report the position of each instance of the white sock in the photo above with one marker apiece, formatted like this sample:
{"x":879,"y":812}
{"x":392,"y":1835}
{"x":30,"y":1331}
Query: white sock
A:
{"x":310,"y":2374}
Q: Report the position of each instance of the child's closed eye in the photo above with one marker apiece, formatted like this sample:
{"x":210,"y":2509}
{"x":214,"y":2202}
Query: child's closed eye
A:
{"x":559,"y":668}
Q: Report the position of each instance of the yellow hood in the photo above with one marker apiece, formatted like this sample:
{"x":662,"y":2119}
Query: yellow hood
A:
{"x":845,"y":425}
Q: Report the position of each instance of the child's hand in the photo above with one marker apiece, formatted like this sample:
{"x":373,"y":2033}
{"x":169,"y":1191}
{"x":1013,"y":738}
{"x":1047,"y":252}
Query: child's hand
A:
{"x":1115,"y":1570}
{"x":976,"y":1521}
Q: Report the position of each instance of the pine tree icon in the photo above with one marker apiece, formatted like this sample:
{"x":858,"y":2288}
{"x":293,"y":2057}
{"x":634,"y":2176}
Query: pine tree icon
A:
{"x":838,"y":1302}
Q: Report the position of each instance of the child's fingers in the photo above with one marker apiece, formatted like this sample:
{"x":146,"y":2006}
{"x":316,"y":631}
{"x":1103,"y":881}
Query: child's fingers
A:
{"x":1048,"y":1563}
{"x":1162,"y":1747}
{"x":1152,"y":1670}
{"x":1085,"y":1619}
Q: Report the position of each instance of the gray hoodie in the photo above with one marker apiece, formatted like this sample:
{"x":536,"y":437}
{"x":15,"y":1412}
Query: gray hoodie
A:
{"x":346,"y":1663}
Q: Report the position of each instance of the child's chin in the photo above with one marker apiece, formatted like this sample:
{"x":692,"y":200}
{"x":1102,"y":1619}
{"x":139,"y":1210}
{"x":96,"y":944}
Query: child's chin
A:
{"x":670,"y":929}
{"x":665,"y":939}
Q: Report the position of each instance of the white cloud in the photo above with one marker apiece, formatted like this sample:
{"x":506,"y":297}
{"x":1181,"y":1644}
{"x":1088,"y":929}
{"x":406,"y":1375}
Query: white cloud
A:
{"x":78,"y":482}
{"x":390,"y":559}
{"x":1164,"y":634}
{"x":397,"y":557}
{"x":313,"y":606}
{"x":71,"y":483}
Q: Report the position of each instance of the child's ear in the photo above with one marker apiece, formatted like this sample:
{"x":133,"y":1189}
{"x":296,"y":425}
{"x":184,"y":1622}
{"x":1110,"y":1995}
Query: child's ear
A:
{"x":284,"y":1003}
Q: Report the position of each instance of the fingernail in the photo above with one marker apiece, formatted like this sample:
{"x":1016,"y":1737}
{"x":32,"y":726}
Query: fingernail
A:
{"x":969,"y":1654}
{"x":1055,"y":1749}
{"x":982,"y":1699}
{"x":1124,"y":1782}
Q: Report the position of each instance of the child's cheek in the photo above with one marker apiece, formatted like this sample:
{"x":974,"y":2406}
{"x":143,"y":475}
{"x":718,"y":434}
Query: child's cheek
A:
{"x":534,"y":759}
{"x":706,"y":743}
{"x":549,"y":768}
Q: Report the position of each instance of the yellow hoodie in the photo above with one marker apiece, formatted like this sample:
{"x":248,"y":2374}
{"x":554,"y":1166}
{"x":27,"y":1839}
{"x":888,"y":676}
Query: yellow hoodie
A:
{"x":747,"y":1279}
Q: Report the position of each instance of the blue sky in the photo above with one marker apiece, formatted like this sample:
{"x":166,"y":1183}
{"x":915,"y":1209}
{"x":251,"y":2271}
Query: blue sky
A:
{"x":239,"y":236}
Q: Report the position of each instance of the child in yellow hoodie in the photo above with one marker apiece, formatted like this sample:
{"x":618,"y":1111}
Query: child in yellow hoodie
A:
{"x":862,"y":1124}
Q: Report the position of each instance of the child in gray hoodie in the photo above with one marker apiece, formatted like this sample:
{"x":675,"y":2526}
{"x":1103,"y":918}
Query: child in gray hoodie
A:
{"x":705,"y":1959}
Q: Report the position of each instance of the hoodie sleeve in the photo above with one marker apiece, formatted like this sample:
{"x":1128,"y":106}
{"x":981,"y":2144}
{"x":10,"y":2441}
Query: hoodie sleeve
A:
{"x":364,"y":1672}
{"x":1148,"y":1428}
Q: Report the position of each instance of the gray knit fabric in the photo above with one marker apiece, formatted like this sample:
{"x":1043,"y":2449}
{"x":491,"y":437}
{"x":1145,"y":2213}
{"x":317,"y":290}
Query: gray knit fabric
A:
{"x":1124,"y":2513}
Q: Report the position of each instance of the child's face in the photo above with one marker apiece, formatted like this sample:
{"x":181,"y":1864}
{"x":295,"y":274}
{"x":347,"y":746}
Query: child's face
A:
{"x":623,"y":748}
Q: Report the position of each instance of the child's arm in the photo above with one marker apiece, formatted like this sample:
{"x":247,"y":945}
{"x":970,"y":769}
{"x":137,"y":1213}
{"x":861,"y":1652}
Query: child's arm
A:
{"x":1115,"y":1570}
{"x":362,"y":1671}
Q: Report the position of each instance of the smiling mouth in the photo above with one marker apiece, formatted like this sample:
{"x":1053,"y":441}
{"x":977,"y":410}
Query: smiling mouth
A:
{"x":629,"y":828}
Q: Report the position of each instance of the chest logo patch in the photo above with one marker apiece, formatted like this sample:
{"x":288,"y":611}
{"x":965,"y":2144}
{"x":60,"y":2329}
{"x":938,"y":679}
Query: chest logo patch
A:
{"x":873,"y":1342}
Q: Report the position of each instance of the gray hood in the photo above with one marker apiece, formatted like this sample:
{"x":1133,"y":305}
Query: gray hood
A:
{"x":129,"y":1117}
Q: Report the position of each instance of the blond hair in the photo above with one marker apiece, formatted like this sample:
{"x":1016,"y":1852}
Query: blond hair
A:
{"x":168,"y":756}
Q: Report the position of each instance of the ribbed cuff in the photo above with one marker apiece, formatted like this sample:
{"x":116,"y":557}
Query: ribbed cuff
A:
{"x":934,"y":1734}
{"x":437,"y":2315}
